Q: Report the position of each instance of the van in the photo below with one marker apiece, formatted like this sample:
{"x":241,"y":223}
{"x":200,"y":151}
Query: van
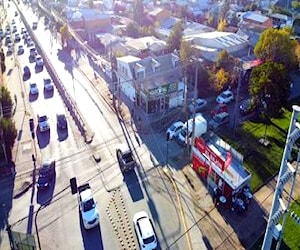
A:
{"x":186,"y":133}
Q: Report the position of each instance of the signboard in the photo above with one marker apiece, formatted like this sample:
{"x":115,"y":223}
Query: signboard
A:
{"x":211,"y":155}
{"x":163,"y":90}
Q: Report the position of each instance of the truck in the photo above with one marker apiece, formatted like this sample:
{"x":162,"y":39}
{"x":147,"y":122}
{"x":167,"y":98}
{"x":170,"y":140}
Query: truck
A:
{"x":125,"y":158}
{"x":87,"y":206}
{"x":186,"y":133}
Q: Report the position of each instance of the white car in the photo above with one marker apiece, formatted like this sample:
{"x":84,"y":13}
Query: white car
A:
{"x":34,"y":89}
{"x":88,"y":206}
{"x":144,"y":230}
{"x":175,"y":129}
{"x":39,"y":61}
{"x":225,"y":97}
{"x":43,"y":123}
{"x":48,"y":84}
{"x":199,"y":105}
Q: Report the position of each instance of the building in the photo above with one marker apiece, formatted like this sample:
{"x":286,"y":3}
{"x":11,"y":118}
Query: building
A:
{"x":209,"y":44}
{"x":153,"y":83}
{"x":221,"y":167}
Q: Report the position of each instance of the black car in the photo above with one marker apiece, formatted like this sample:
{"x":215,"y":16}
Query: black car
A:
{"x":248,"y":106}
{"x":61,"y":121}
{"x":26,"y":72}
{"x":46,"y":174}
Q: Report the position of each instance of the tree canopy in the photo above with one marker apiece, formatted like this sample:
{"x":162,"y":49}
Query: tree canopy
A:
{"x":269,"y":83}
{"x":138,"y":12}
{"x":175,"y":37}
{"x":6,"y":102}
{"x":219,"y":79}
{"x":186,"y":53}
{"x":276,"y":46}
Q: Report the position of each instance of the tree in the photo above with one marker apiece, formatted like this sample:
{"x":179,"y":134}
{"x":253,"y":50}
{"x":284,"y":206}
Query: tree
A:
{"x":64,"y":34}
{"x":138,"y":12}
{"x":175,"y":37}
{"x":222,"y":25}
{"x":296,"y":5}
{"x":8,"y":127}
{"x":276,"y":46}
{"x":186,"y":53}
{"x":2,"y":61}
{"x":219,"y":79}
{"x":269,"y":82}
{"x":223,"y":10}
{"x":297,"y":53}
{"x":6,"y":102}
{"x":223,"y":58}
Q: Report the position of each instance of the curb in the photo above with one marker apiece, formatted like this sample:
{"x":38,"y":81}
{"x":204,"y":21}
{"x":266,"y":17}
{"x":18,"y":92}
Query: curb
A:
{"x":24,"y":188}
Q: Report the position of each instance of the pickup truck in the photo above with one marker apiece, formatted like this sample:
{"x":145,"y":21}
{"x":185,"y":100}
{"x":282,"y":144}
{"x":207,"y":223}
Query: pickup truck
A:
{"x":125,"y":158}
{"x":87,"y":206}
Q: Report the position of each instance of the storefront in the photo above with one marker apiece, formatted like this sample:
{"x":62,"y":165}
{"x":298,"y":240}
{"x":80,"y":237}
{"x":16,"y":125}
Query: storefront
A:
{"x":221,"y":167}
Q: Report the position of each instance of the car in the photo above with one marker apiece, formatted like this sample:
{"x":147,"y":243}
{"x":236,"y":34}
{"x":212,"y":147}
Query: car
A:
{"x":17,"y":38}
{"x":8,"y":40}
{"x":13,"y":21}
{"x":39,"y":62}
{"x":16,"y":13}
{"x":28,"y":41}
{"x":144,"y":230}
{"x":174,"y":129}
{"x":9,"y":51}
{"x":14,"y":29}
{"x":26,"y":72}
{"x":32,"y":52}
{"x":125,"y":158}
{"x":46,"y":174}
{"x":1,"y":33}
{"x":20,"y":50}
{"x":48,"y":84}
{"x":23,"y":30}
{"x":248,"y":106}
{"x":30,"y":44}
{"x":34,"y":89}
{"x":87,"y":206}
{"x":61,"y":121}
{"x":218,"y":120}
{"x":43,"y":123}
{"x":34,"y":25}
{"x":225,"y":97}
{"x":219,"y":108}
{"x":197,"y":106}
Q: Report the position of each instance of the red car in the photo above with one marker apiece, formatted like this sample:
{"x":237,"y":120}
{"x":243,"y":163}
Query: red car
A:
{"x":219,"y":108}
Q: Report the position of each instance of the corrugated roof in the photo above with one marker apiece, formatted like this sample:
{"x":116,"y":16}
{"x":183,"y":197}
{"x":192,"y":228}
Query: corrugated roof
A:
{"x":255,"y":17}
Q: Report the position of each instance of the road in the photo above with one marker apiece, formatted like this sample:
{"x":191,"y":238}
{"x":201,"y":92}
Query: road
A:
{"x":59,"y":224}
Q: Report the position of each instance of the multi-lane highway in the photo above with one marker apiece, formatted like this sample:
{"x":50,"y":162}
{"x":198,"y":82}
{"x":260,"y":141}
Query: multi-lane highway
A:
{"x":58,"y":223}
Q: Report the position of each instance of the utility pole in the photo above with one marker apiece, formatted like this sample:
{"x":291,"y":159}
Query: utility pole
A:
{"x":241,"y":73}
{"x":194,"y":109}
{"x":1,"y":131}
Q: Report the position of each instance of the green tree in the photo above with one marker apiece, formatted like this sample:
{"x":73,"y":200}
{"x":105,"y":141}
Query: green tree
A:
{"x":186,"y":53}
{"x":296,"y":5}
{"x":175,"y":37}
{"x":276,"y":46}
{"x":8,"y":127}
{"x":269,"y":82}
{"x":133,"y":30}
{"x":6,"y":102}
{"x":138,"y":12}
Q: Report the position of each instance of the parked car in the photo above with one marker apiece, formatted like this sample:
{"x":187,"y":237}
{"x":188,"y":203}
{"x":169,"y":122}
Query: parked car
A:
{"x":32,"y":52}
{"x":9,"y":51}
{"x":144,"y":230}
{"x":17,"y":38}
{"x":248,"y":106}
{"x":219,"y":108}
{"x":20,"y":50}
{"x":26,"y":72}
{"x":46,"y":174}
{"x":225,"y":97}
{"x":61,"y":121}
{"x":34,"y":89}
{"x":175,"y":129}
{"x":14,"y":29}
{"x":43,"y":123}
{"x":39,"y":63}
{"x":8,"y":40}
{"x":34,"y":25}
{"x":48,"y":84}
{"x":218,"y":120}
{"x":199,"y":105}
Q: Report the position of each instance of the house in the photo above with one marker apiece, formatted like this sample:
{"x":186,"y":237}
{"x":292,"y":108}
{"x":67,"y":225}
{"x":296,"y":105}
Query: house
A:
{"x":153,"y":83}
{"x":158,"y":15}
{"x":255,"y":20}
{"x":210,"y":44}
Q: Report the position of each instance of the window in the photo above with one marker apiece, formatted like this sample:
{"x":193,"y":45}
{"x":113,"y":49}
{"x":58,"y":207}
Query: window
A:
{"x":140,"y":74}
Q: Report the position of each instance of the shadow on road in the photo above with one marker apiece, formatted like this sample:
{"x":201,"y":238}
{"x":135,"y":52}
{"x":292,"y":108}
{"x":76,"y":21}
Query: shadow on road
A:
{"x":92,"y":238}
{"x":134,"y":190}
